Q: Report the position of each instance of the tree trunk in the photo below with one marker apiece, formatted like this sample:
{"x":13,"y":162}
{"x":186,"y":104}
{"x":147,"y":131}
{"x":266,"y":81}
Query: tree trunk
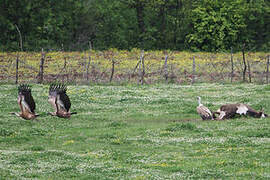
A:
{"x":139,"y":6}
{"x":21,"y":43}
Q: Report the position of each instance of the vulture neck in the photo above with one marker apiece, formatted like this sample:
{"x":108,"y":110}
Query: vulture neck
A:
{"x":199,"y":102}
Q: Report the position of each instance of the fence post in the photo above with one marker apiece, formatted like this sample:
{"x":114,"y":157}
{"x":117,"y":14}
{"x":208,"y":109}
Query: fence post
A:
{"x":249,"y":71}
{"x":65,"y":64}
{"x":232,"y":72}
{"x":84,"y":64}
{"x":112,"y":72}
{"x":193,"y":71}
{"x":245,"y":65}
{"x":267,"y":69}
{"x":87,"y":67}
{"x":41,"y":68}
{"x":141,"y":68}
{"x":17,"y":69}
{"x":165,"y":68}
{"x":134,"y":70}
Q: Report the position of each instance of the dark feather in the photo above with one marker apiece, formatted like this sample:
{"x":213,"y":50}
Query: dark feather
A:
{"x":65,"y":99}
{"x":25,"y":90}
{"x":60,"y":89}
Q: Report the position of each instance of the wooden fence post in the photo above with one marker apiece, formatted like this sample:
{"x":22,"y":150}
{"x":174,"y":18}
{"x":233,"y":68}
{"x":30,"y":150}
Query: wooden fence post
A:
{"x":112,"y":72}
{"x":17,"y":69}
{"x":232,"y":72}
{"x":65,"y":64}
{"x":41,"y":68}
{"x":84,"y":64}
{"x":249,"y":71}
{"x":134,"y":70}
{"x":165,"y":68}
{"x":141,"y":69}
{"x":267,"y":69}
{"x":139,"y":64}
{"x":193,"y":71}
{"x":88,"y":65}
{"x":245,"y":65}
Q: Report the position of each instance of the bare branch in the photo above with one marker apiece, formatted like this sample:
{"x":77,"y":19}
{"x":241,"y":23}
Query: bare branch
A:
{"x":21,"y":45}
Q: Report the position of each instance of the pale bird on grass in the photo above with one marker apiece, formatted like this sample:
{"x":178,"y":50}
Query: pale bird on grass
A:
{"x":203,"y":111}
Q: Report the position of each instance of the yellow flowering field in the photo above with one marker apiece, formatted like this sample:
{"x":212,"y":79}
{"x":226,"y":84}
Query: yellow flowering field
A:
{"x":74,"y":65}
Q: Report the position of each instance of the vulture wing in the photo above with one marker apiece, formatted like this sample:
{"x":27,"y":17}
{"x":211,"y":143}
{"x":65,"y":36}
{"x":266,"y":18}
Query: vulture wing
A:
{"x":25,"y":90}
{"x":65,"y":101}
{"x":30,"y":101}
{"x":204,"y":112}
{"x":59,"y":91}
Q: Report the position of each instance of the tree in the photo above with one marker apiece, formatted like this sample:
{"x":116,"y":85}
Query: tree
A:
{"x":115,"y":25}
{"x":217,"y":25}
{"x":258,"y":24}
{"x":42,"y":23}
{"x":199,"y":25}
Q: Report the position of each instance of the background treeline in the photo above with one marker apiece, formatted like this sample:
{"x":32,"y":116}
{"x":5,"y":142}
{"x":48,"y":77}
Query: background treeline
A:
{"x":197,"y":25}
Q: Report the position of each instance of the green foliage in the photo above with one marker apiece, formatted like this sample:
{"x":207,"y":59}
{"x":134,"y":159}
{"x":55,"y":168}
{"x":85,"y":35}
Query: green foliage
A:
{"x":42,"y":24}
{"x":161,"y":24}
{"x":217,"y":25}
{"x":220,"y":25}
{"x":115,"y":25}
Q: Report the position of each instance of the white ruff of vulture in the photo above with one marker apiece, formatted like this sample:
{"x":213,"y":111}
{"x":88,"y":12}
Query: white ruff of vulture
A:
{"x":26,"y":102}
{"x":228,"y":111}
{"x":203,"y":111}
{"x":60,"y":101}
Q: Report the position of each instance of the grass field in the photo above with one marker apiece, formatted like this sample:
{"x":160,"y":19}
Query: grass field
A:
{"x":133,"y":132}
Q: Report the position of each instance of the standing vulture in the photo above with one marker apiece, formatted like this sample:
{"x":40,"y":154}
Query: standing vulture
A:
{"x":26,"y":102}
{"x":59,"y":101}
{"x":203,"y":111}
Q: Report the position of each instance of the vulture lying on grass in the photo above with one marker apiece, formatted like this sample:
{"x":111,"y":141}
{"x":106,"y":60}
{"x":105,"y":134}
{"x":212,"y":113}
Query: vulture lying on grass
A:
{"x":231,"y":110}
{"x":203,"y":111}
{"x":60,"y":101}
{"x":26,"y":102}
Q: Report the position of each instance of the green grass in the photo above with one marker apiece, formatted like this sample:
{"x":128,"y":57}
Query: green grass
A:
{"x":132,"y":132}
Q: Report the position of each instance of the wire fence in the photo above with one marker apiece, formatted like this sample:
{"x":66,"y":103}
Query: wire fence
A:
{"x":136,"y":66}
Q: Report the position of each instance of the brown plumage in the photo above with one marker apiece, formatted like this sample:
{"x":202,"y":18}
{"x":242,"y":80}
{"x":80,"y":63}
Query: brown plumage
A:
{"x":203,"y":111}
{"x":26,"y":102}
{"x":228,"y":111}
{"x":60,"y":101}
